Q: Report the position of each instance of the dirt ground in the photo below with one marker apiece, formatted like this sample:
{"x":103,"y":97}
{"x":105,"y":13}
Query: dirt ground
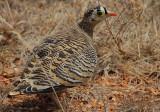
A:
{"x":127,"y":76}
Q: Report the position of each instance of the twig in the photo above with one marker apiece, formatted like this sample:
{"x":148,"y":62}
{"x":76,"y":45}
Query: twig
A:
{"x":11,"y":78}
{"x":14,"y":31}
{"x":129,"y":23}
{"x":5,"y":22}
{"x":120,"y":12}
{"x":67,"y":13}
{"x":50,"y":84}
{"x":116,"y":42}
{"x":9,"y":10}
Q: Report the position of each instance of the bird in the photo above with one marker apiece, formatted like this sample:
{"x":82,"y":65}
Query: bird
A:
{"x":63,"y":60}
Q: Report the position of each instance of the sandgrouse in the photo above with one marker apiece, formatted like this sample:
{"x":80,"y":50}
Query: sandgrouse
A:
{"x":64,"y":59}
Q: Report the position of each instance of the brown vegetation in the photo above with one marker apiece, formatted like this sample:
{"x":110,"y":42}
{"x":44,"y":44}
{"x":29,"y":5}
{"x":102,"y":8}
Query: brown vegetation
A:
{"x":128,"y":71}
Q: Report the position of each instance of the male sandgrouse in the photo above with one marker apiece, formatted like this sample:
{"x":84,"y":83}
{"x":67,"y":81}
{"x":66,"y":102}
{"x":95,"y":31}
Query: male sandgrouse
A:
{"x":63,"y":60}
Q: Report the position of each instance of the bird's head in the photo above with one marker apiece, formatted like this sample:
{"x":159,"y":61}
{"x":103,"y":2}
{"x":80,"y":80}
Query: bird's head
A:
{"x":97,"y":14}
{"x":92,"y":17}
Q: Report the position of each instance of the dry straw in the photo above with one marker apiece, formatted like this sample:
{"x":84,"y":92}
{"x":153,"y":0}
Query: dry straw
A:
{"x":128,"y":44}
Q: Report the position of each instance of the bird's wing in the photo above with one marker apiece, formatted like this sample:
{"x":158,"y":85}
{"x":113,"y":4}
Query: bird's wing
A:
{"x":59,"y":62}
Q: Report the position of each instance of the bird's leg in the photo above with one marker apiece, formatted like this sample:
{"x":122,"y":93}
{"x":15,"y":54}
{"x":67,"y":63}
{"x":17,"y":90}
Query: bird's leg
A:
{"x":55,"y":99}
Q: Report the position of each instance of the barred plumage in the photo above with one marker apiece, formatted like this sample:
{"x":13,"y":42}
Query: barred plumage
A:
{"x":62,"y":60}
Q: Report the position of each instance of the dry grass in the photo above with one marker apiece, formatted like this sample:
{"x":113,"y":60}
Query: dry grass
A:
{"x":128,"y":48}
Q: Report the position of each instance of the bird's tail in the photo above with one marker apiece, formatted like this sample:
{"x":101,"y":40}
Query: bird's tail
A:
{"x":16,"y":91}
{"x":19,"y":89}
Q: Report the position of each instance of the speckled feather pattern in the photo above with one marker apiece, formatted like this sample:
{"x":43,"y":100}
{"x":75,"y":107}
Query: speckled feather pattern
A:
{"x":62,"y":60}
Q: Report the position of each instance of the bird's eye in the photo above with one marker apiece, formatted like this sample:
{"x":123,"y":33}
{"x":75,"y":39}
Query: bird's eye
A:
{"x":100,"y":13}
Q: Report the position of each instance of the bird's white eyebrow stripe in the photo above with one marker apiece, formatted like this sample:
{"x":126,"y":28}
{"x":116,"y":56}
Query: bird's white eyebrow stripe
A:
{"x":102,"y":9}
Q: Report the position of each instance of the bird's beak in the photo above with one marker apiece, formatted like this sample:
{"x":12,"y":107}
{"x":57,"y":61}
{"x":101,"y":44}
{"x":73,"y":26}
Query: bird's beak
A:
{"x":112,"y":13}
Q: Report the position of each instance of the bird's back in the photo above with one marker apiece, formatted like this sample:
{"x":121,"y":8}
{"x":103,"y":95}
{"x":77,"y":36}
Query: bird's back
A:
{"x":62,"y":60}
